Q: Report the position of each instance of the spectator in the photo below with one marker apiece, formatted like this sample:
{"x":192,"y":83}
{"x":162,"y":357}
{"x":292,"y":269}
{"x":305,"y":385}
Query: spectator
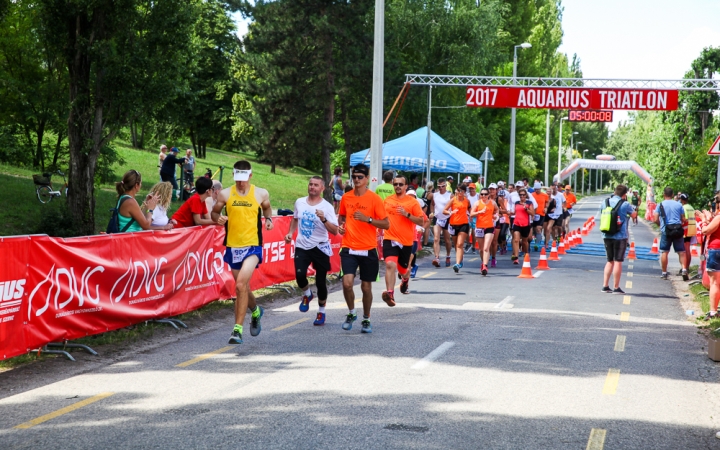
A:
{"x":193,"y":211}
{"x":337,"y":187}
{"x":167,"y":171}
{"x":616,"y":244}
{"x":670,"y":215}
{"x":212,"y":199}
{"x":189,"y":166}
{"x":163,"y":192}
{"x":386,"y":189}
{"x":414,"y":183}
{"x":450,"y":180}
{"x":161,"y":156}
{"x":689,"y":228}
{"x":131,"y":216}
{"x":711,"y":231}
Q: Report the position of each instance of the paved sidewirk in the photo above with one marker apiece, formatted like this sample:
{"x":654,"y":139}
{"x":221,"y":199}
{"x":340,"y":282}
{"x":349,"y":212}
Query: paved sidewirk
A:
{"x":464,"y":361}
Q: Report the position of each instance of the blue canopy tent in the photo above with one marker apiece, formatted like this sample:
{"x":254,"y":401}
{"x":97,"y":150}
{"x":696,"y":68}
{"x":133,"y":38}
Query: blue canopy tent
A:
{"x":408,"y":153}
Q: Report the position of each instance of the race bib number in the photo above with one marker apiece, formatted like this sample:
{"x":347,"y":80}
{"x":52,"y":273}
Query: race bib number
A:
{"x":325,"y":248}
{"x":536,"y":217}
{"x":239,"y":254}
{"x":358,"y":252}
{"x":451,"y":230}
{"x":441,"y":222}
{"x":502,"y":220}
{"x":396,"y":244}
{"x":479,"y":232}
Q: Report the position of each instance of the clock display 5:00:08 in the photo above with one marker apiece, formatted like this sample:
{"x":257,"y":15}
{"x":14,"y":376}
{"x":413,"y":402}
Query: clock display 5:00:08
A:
{"x":590,"y":116}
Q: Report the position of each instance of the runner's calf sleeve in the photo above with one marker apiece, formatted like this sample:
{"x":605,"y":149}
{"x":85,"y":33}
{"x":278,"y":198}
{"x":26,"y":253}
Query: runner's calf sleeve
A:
{"x":321,"y":284}
{"x":392,"y":259}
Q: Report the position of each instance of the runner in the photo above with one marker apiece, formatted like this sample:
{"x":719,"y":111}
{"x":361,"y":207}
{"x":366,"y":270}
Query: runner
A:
{"x":473,"y":197}
{"x":512,"y":201}
{"x":245,"y":204}
{"x":459,"y":227}
{"x":524,"y":213}
{"x":493,"y":189}
{"x":404,"y":213}
{"x":554,"y":215}
{"x":316,"y":217}
{"x":539,"y":220}
{"x":420,"y":231}
{"x":361,"y":213}
{"x":570,"y":201}
{"x":485,"y":212}
{"x":440,"y":199}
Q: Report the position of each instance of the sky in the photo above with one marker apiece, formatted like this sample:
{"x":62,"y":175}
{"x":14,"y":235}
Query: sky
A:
{"x":631,"y":39}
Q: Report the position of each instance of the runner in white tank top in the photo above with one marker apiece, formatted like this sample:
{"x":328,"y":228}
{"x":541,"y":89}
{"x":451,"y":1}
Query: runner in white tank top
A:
{"x":441,"y":198}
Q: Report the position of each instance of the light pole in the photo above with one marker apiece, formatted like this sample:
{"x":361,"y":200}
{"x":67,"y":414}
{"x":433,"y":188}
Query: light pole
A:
{"x":583,"y":177}
{"x":572,"y":145}
{"x":511,"y":175}
{"x":560,"y":147}
{"x":376,"y":114}
{"x":547,"y":149}
{"x":575,"y":184}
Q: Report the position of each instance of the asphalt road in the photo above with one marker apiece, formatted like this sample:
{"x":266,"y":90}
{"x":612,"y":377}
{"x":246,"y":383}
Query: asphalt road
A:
{"x":463,"y":361}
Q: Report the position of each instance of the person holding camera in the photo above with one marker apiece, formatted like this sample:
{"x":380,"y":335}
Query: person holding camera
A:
{"x":670,"y":215}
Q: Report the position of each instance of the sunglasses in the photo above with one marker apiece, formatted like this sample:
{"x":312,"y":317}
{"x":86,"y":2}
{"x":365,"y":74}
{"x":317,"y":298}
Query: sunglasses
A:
{"x":399,"y":184}
{"x":358,"y":177}
{"x":523,"y":195}
{"x":484,"y":194}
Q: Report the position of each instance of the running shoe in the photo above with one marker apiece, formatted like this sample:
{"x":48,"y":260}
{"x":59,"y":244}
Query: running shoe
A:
{"x":472,"y":250}
{"x":483,"y":269}
{"x":349,"y":319}
{"x":413,"y":271}
{"x":468,"y":246}
{"x":617,"y":290}
{"x":536,"y":248}
{"x":366,"y":328}
{"x":388,"y":298}
{"x":516,"y":262}
{"x":436,"y":262}
{"x":319,"y":320}
{"x":492,"y":263}
{"x":456,"y":268}
{"x":707,"y":316}
{"x":305,"y":302}
{"x":447,"y":261}
{"x":514,"y":258}
{"x":664,"y":276}
{"x":235,"y":337}
{"x":684,"y":274}
{"x":405,"y":286}
{"x":606,"y":289}
{"x":255,"y":327}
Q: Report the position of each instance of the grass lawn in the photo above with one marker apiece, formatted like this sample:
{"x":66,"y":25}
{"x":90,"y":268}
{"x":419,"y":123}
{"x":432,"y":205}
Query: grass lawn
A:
{"x":24,"y":211}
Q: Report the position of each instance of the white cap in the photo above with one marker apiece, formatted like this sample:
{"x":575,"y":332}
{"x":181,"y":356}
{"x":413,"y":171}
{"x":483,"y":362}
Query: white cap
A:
{"x":537,"y":185}
{"x":241,"y":175}
{"x":501,"y":183}
{"x":492,"y":186}
{"x":520,"y":184}
{"x":411,"y":192}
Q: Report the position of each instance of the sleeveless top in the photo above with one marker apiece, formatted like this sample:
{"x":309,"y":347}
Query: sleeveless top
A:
{"x":522,"y":215}
{"x":485,"y":220}
{"x":243,"y":227}
{"x":123,"y":221}
{"x":337,"y":186}
{"x":441,"y":202}
{"x":461,"y":216}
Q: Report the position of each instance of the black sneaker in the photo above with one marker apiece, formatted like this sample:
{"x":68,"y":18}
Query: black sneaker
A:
{"x":709,"y":316}
{"x":684,"y":274}
{"x":617,"y":290}
{"x":404,"y":286}
{"x":255,"y":327}
{"x":366,"y":328}
{"x":606,"y":289}
{"x":235,"y":337}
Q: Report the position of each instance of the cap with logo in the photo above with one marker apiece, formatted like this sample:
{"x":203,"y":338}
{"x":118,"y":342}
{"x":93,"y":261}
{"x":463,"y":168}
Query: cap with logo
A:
{"x":472,"y":186}
{"x":174,"y":150}
{"x":492,"y":186}
{"x":411,"y":192}
{"x":501,"y":183}
{"x":241,"y":175}
{"x":519,"y":184}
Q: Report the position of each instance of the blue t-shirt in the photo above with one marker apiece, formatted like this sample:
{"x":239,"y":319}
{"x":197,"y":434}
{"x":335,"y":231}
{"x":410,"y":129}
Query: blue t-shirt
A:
{"x":625,"y":209}
{"x":674,"y":213}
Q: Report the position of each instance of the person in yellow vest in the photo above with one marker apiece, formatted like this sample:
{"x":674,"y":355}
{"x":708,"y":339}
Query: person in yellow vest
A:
{"x":690,"y":227}
{"x":245,"y":204}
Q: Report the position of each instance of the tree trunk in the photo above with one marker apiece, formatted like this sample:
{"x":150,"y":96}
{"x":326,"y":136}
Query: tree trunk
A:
{"x":193,"y":140}
{"x":204,"y":150}
{"x":133,"y":134}
{"x":58,"y":146}
{"x":344,"y":119}
{"x":329,"y":118}
{"x":39,"y":160}
{"x":272,"y":167}
{"x":142,"y":136}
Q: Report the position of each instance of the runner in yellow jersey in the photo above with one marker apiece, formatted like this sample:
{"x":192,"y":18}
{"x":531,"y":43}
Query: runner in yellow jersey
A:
{"x":245,"y":204}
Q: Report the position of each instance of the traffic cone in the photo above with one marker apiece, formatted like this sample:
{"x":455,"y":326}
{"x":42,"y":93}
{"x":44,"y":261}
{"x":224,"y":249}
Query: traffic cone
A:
{"x":553,"y":253}
{"x":477,"y":244}
{"x":561,"y":248}
{"x":542,"y":264}
{"x":631,"y":253}
{"x":526,"y":270}
{"x":655,"y":247}
{"x":695,"y":251}
{"x":571,"y":239}
{"x":585,"y":229}
{"x":578,"y":237}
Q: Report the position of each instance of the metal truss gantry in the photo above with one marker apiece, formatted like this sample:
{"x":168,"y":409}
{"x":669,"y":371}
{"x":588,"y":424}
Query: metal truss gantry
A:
{"x":587,"y":83}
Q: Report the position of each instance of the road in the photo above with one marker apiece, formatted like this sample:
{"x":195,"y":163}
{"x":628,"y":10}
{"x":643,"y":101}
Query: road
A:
{"x":464,"y":361}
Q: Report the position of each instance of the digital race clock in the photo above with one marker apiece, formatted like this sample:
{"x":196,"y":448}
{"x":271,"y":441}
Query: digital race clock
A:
{"x":589,"y":116}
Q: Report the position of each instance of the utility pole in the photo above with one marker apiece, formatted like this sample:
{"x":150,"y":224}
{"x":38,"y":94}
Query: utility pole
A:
{"x":376,"y":128}
{"x":547,"y":148}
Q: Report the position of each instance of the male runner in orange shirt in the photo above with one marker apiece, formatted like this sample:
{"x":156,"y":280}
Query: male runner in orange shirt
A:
{"x":404,"y":213}
{"x":571,"y":200}
{"x":538,"y":225}
{"x":361,"y":212}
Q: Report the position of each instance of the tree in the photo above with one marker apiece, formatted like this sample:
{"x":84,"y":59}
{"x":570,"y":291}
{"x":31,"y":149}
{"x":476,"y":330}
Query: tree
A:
{"x":117,"y":53}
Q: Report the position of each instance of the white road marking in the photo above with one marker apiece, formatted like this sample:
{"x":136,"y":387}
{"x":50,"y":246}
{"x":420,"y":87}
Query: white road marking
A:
{"x":433,"y":355}
{"x":538,"y":273}
{"x":504,"y":301}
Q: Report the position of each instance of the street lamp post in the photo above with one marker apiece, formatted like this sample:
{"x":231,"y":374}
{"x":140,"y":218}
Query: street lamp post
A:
{"x":576,"y":177}
{"x":376,"y":114}
{"x":511,"y":175}
{"x":583,"y":177}
{"x":560,"y":147}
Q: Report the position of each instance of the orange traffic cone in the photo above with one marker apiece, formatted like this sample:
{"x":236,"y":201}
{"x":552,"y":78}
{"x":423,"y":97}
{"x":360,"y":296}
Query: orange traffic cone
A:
{"x":695,"y":253}
{"x":584,"y":229}
{"x":578,"y":237}
{"x":572,"y":240}
{"x":631,"y":253}
{"x":553,"y":253}
{"x":561,"y":248}
{"x":655,"y":247}
{"x":526,"y":270}
{"x":543,"y":264}
{"x":477,"y":244}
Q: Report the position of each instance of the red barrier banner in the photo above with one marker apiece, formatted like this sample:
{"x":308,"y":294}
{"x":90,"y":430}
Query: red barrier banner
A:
{"x":54,"y":289}
{"x":571,"y":98}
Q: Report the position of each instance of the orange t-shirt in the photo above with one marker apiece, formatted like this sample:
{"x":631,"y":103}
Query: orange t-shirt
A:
{"x":361,"y":235}
{"x":541,"y":200}
{"x":401,"y":228}
{"x":484,"y":220}
{"x":570,"y":200}
{"x":461,"y":216}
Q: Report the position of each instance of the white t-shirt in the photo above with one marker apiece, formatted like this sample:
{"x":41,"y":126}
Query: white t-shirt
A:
{"x":473,"y":200}
{"x":159,"y":216}
{"x":441,"y":202}
{"x":311,"y":230}
{"x":559,"y":202}
{"x":515,"y":197}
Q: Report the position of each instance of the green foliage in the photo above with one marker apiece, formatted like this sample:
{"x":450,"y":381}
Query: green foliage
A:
{"x":104,"y":172}
{"x":57,"y":221}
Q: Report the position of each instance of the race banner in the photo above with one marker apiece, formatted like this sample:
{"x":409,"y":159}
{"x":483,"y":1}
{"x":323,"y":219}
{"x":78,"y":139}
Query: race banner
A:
{"x":54,"y":289}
